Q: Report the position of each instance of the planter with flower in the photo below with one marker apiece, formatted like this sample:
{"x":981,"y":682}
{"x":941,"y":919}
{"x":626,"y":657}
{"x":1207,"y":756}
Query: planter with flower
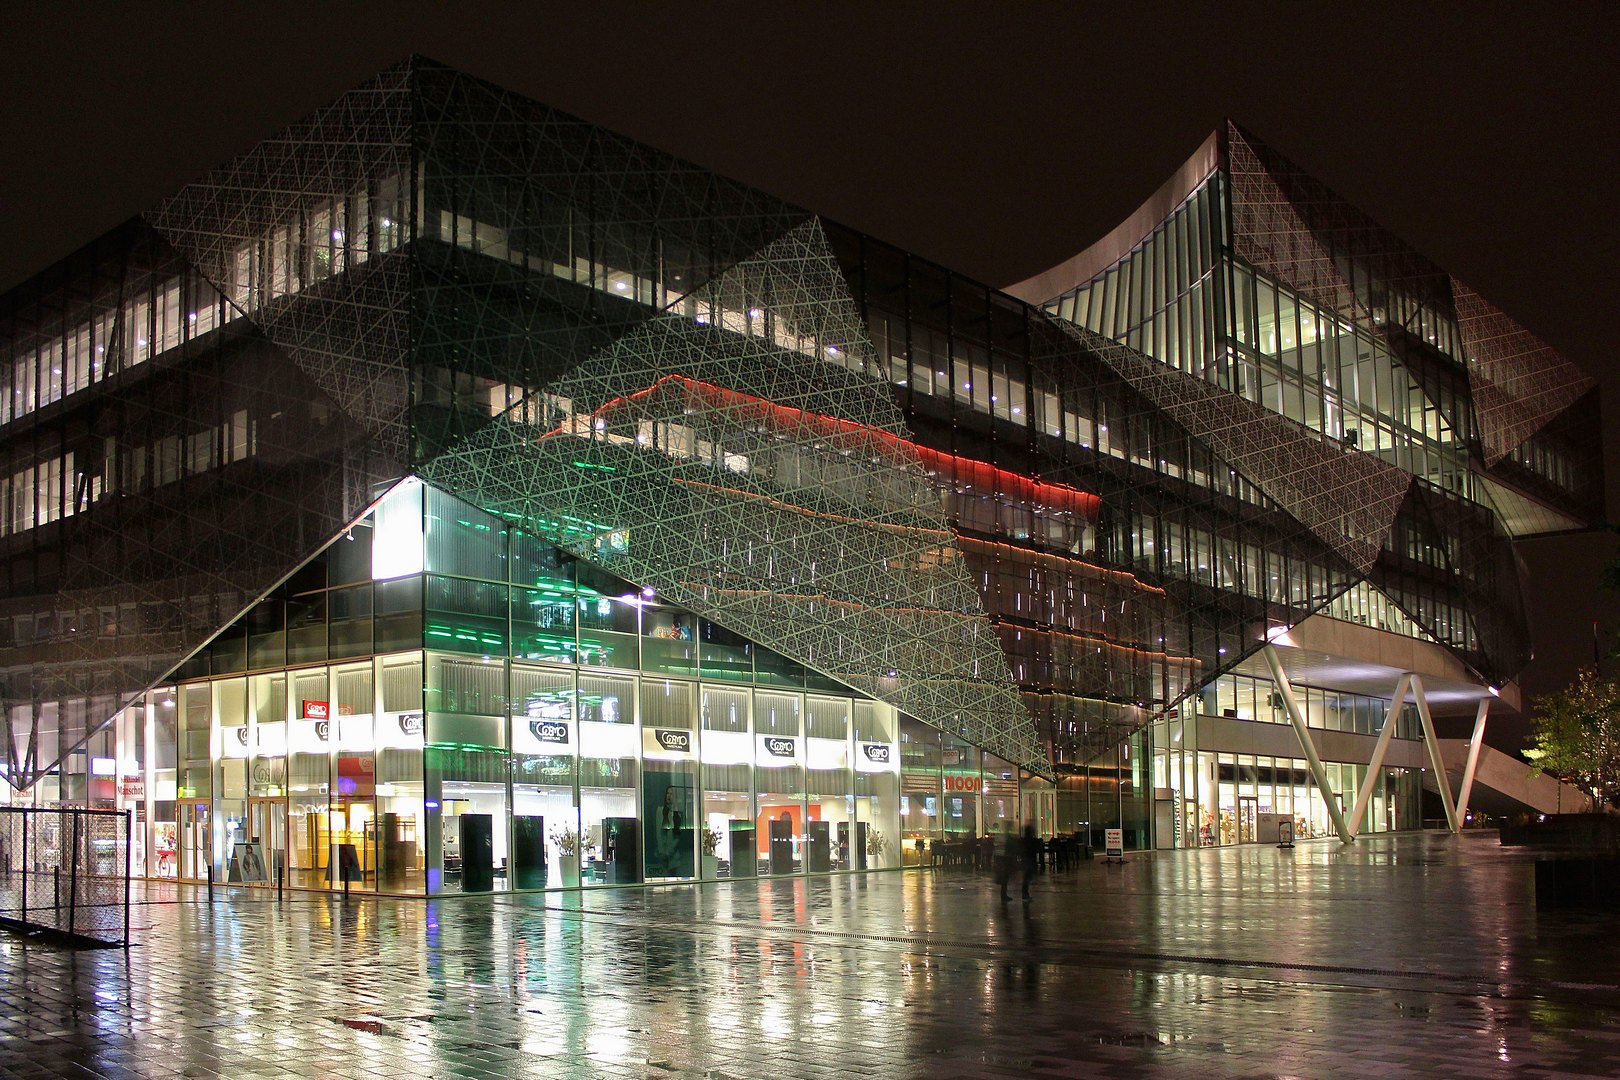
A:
{"x":876,"y":845}
{"x":709,"y":841}
{"x":567,"y":843}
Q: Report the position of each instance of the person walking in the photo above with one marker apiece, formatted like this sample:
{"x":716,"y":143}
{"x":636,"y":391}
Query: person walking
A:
{"x":1006,"y":859}
{"x":1028,"y":855}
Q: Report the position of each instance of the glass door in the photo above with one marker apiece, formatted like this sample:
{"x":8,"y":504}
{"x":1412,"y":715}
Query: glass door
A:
{"x":193,"y":841}
{"x":1248,"y":819}
{"x":254,"y":857}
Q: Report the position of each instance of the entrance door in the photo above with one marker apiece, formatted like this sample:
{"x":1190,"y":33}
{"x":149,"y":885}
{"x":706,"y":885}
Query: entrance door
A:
{"x":254,"y":862}
{"x":1040,"y":805}
{"x":192,"y":841}
{"x":1248,"y":819}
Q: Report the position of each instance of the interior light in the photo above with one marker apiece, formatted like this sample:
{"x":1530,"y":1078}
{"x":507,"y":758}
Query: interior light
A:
{"x":621,"y":286}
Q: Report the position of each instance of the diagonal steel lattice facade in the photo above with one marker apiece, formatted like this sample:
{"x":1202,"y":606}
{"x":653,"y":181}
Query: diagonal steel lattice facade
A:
{"x":1411,"y":427}
{"x":1014,"y":524}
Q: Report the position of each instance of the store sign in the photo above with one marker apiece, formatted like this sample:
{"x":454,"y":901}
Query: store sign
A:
{"x":410,"y":723}
{"x":876,"y":752}
{"x":550,"y":731}
{"x":678,"y":741}
{"x":316,"y":710}
{"x":133,"y":787}
{"x":958,"y":782}
{"x":778,"y":746}
{"x":323,"y":729}
{"x":1114,"y":843}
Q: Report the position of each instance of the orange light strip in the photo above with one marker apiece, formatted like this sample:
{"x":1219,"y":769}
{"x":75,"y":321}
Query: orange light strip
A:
{"x":1047,"y":556}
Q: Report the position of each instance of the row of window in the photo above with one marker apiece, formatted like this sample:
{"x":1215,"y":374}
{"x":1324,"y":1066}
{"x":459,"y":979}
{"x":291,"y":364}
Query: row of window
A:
{"x":1291,"y":356}
{"x":69,"y":483}
{"x":318,"y":242}
{"x":1247,"y":698}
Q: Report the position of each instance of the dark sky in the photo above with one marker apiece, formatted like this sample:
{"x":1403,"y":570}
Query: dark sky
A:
{"x":997,"y":138}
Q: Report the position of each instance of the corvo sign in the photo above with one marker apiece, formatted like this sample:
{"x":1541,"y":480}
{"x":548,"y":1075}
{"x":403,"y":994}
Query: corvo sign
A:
{"x":410,"y":723}
{"x":551,"y":731}
{"x":777,"y":746}
{"x":674,"y":740}
{"x":876,"y":751}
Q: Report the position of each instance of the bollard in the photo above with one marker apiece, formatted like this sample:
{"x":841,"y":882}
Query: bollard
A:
{"x":210,"y":881}
{"x":56,"y":895}
{"x":281,"y":873}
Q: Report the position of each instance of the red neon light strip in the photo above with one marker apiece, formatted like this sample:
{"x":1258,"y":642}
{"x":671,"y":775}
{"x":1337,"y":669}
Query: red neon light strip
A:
{"x":863,"y":438}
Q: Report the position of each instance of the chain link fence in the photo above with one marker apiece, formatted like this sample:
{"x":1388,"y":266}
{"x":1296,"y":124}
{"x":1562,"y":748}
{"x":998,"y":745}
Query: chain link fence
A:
{"x":67,"y":871}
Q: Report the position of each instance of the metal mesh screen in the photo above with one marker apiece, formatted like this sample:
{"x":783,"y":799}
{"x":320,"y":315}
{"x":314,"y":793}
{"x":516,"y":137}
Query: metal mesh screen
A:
{"x":66,"y":870}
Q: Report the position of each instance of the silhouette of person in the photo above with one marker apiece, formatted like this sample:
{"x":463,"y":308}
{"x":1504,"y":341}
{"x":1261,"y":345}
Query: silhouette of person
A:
{"x":1028,"y":848}
{"x":1006,"y":859}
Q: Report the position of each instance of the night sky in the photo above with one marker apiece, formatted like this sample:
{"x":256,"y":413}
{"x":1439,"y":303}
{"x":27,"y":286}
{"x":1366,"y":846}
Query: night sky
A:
{"x":997,"y":139}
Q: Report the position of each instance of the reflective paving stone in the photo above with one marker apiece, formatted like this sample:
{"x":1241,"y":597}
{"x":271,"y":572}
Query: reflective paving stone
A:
{"x":1404,"y":956}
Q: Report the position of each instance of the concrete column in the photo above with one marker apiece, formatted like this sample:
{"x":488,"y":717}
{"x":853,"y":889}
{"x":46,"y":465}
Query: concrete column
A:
{"x":1435,"y":760}
{"x":1473,"y":760}
{"x":1398,"y":699}
{"x":1298,"y":717}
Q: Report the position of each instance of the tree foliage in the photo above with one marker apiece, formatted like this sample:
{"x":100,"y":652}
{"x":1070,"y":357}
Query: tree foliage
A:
{"x":1576,"y":735}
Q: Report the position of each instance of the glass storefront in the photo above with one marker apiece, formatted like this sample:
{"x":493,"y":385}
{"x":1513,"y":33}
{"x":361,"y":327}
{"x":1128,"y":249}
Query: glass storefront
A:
{"x":425,"y":772}
{"x":441,"y":704}
{"x":1205,"y":797}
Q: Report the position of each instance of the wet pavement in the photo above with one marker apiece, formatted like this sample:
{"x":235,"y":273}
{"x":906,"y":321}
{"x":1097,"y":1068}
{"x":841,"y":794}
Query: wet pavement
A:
{"x":1417,"y":955}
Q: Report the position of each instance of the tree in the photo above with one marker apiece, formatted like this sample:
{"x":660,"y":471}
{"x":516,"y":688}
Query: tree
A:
{"x":1576,"y":736}
{"x":1609,"y":579}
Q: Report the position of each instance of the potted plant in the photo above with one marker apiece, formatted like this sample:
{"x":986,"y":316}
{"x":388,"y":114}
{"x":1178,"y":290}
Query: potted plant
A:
{"x":567,"y":842}
{"x":709,"y":838}
{"x":876,"y":845}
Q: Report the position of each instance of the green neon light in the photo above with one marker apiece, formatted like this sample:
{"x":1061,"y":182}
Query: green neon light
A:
{"x":594,"y":465}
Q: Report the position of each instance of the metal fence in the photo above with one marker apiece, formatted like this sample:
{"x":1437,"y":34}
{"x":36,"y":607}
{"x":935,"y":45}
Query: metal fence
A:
{"x":66,"y":870}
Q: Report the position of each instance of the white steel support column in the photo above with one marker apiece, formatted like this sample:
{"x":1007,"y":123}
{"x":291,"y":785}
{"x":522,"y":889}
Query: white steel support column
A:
{"x":1435,"y":761}
{"x":1364,"y":796}
{"x":1473,"y":759}
{"x":1287,"y":690}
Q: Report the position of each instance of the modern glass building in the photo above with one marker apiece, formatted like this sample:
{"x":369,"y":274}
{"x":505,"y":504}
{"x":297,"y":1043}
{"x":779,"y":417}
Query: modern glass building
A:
{"x":450,"y":495}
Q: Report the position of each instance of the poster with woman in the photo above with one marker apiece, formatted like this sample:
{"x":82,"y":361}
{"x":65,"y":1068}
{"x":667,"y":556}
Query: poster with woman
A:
{"x":668,"y":825}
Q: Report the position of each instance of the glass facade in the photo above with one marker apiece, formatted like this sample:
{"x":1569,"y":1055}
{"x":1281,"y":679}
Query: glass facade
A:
{"x":373,"y":516}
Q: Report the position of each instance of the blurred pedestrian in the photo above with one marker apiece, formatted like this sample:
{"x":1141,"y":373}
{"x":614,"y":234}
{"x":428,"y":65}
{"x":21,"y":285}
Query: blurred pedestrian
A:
{"x":1006,"y":859}
{"x":1028,"y":855}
